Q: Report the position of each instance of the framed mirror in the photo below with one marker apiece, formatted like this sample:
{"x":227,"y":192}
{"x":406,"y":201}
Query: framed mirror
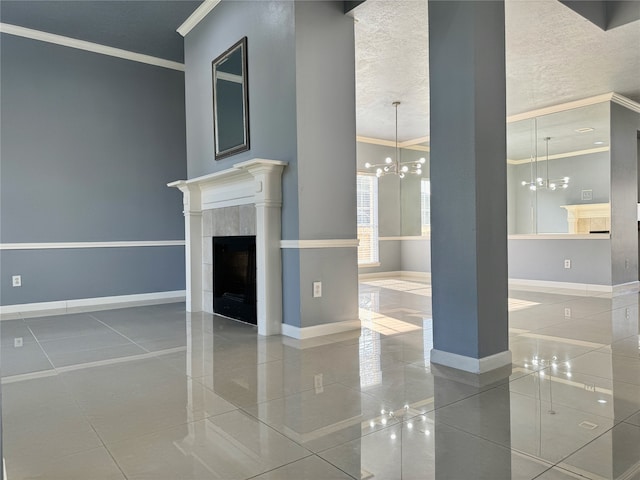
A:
{"x":231,"y":101}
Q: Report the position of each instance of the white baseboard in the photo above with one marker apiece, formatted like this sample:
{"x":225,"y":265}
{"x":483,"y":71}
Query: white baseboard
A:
{"x":626,"y":288}
{"x":404,"y":274}
{"x":85,"y":304}
{"x":586,"y":288}
{"x":319,"y":330}
{"x":542,"y":285}
{"x":469,"y":364}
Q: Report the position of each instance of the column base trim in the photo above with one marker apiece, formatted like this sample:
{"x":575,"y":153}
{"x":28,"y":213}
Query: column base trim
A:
{"x":320,"y":330}
{"x":470,"y":364}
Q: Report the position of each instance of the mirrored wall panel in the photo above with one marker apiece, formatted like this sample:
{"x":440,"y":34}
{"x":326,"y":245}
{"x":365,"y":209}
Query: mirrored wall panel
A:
{"x":558,"y":170}
{"x":230,"y":101}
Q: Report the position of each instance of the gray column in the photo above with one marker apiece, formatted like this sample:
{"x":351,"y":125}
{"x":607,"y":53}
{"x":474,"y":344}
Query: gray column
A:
{"x":468,"y":184}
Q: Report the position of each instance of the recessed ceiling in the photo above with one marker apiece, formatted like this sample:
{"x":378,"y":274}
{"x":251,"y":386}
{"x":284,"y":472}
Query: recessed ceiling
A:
{"x":147,"y":27}
{"x":553,"y":56}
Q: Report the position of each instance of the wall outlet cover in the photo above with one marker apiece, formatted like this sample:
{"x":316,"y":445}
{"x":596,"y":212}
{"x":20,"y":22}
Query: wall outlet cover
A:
{"x":587,"y":195}
{"x":317,"y":289}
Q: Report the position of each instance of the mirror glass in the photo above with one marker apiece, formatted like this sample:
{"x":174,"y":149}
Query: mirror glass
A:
{"x":230,"y":101}
{"x":558,"y":172}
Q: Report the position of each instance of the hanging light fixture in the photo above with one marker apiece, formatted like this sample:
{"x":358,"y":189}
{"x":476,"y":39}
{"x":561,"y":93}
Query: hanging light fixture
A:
{"x":395,"y":166}
{"x":544,"y":183}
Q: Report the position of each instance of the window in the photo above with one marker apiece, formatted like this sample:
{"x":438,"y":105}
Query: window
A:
{"x":425,"y":205}
{"x":367,"y":203}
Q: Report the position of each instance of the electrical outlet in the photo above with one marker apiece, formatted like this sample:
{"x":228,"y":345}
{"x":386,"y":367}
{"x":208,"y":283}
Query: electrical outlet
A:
{"x":16,"y":280}
{"x":317,"y":383}
{"x":567,"y":312}
{"x":317,"y":289}
{"x":17,"y":342}
{"x":589,"y":387}
{"x":587,"y":195}
{"x":626,"y":263}
{"x":567,"y":263}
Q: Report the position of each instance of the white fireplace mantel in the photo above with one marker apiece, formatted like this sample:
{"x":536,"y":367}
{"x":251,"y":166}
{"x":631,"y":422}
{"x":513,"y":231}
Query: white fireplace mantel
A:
{"x":257,"y":182}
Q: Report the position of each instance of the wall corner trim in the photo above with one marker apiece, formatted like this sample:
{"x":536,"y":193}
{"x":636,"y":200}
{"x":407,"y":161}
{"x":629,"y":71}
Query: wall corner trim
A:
{"x":197,"y":16}
{"x":88,"y":46}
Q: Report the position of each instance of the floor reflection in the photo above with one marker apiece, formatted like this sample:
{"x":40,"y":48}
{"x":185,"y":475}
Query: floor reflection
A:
{"x":132,"y":393}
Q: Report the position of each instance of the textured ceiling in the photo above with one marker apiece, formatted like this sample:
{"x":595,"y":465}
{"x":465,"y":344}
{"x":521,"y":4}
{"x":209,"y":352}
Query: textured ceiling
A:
{"x":553,"y":56}
{"x":147,"y":27}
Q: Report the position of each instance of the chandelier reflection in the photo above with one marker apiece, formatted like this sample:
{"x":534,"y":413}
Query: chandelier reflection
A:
{"x":536,"y":182}
{"x":395,"y":166}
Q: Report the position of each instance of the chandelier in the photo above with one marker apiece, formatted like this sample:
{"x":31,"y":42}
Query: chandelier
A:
{"x":396,"y":167}
{"x":547,"y":182}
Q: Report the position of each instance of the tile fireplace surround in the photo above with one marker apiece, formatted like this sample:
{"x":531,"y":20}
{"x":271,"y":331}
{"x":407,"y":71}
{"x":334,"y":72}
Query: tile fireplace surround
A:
{"x":245,"y":199}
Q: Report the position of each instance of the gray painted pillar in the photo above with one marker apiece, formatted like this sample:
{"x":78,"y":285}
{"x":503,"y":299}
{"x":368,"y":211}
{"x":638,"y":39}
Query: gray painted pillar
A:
{"x":624,"y":197}
{"x":468,"y":184}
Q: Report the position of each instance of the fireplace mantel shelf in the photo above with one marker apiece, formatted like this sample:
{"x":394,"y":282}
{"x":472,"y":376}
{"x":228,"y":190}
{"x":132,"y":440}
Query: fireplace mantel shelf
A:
{"x":257,"y":182}
{"x":230,"y":173}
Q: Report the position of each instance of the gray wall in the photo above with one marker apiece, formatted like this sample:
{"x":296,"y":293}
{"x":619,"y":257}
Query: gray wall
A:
{"x":624,"y":194}
{"x":270,"y":32}
{"x":299,"y":114}
{"x":326,"y":132}
{"x":586,"y":172}
{"x":542,"y":259}
{"x":416,"y":255}
{"x":88,"y":144}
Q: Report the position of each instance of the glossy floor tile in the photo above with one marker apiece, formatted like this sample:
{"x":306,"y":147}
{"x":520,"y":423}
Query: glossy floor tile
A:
{"x":153,"y":392}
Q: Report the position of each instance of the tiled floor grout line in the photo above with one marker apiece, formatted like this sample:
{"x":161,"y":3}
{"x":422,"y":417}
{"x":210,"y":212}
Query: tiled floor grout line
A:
{"x":119,"y":333}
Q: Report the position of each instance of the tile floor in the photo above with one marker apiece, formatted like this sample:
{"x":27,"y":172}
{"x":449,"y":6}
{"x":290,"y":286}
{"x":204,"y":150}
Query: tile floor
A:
{"x":155,"y":393}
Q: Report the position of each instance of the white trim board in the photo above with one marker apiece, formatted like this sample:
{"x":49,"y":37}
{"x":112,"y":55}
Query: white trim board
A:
{"x":560,"y":236}
{"x":469,"y":364}
{"x":561,"y":107}
{"x":558,"y":156}
{"x":85,"y":304}
{"x":197,"y":16}
{"x":329,"y":243}
{"x":587,"y":288}
{"x":403,"y":275}
{"x":88,"y":46}
{"x":408,"y":145}
{"x":320,"y":330}
{"x":414,"y":237}
{"x":59,"y":245}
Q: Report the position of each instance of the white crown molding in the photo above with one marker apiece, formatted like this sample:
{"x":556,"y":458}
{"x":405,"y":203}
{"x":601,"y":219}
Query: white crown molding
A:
{"x":331,"y":243}
{"x":557,"y":156}
{"x":561,"y":107}
{"x":408,"y":144}
{"x":196,"y":17}
{"x":625,"y":102}
{"x":88,"y":46}
{"x":59,"y":245}
{"x":85,"y":304}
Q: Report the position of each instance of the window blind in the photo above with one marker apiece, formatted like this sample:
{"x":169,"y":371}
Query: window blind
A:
{"x":425,"y":205}
{"x":367,"y":209}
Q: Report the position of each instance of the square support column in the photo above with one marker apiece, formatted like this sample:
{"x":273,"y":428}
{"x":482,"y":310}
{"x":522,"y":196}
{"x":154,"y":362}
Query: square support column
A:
{"x":468,"y":185}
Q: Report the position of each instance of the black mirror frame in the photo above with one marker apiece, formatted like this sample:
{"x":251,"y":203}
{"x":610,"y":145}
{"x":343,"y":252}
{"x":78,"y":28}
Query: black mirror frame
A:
{"x":242,"y":43}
